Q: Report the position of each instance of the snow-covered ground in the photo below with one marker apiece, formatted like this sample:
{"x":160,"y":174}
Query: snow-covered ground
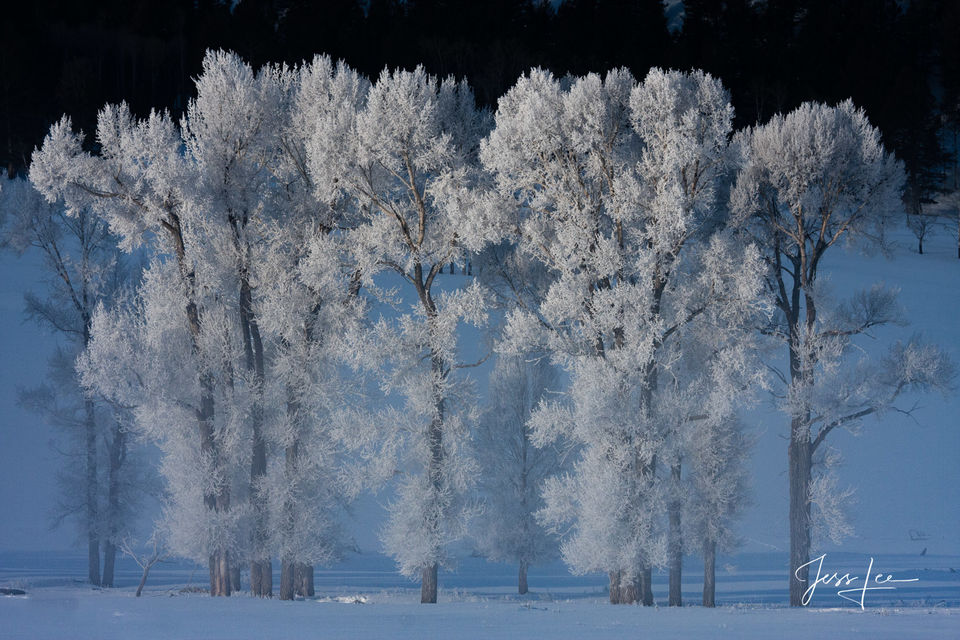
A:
{"x":365,"y":598}
{"x":71,"y":614}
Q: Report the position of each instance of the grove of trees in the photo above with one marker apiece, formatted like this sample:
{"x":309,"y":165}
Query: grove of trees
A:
{"x":300,"y":333}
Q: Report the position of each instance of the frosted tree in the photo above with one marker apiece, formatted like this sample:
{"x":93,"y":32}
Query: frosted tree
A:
{"x":617,"y":186}
{"x":247,"y":196}
{"x":948,"y":206}
{"x":718,"y":454}
{"x":405,"y":157}
{"x":136,"y":185}
{"x":922,"y":223}
{"x":312,"y":314}
{"x":512,"y":469}
{"x":559,"y":151}
{"x":684,"y":121}
{"x":809,"y":181}
{"x":230,"y":133}
{"x":83,"y":269}
{"x":198,"y":207}
{"x":142,"y":356}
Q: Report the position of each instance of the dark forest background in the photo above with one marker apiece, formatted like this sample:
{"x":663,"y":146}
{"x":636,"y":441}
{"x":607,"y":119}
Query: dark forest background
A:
{"x":899,"y":60}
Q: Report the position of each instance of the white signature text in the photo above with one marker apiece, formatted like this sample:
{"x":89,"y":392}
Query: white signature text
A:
{"x":871,"y":582}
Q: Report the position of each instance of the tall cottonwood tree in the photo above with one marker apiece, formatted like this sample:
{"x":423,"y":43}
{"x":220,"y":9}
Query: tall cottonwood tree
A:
{"x":141,"y":357}
{"x":84,"y":269}
{"x":309,"y":313}
{"x":684,"y":122}
{"x":617,"y":191}
{"x":557,"y":150}
{"x":196,"y":207}
{"x":717,"y":454}
{"x":406,"y":158}
{"x":312,"y":313}
{"x":230,"y":134}
{"x":136,"y":184}
{"x":809,"y":181}
{"x":512,"y":469}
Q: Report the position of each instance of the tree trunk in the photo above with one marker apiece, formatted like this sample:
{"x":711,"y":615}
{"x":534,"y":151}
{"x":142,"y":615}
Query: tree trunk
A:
{"x":109,"y":562}
{"x":304,"y":580}
{"x":428,"y":589}
{"x":646,"y":586}
{"x":143,"y":580}
{"x":220,"y":573}
{"x":217,"y":499}
{"x":614,"y":587}
{"x":920,"y":246}
{"x":261,"y":569}
{"x":296,"y":579}
{"x":93,"y":558}
{"x":675,"y":543}
{"x":92,"y":517}
{"x":522,"y":579}
{"x":647,"y":473}
{"x":629,"y":591}
{"x":118,"y":451}
{"x":290,"y":575}
{"x":234,"y":577}
{"x":287,"y":579}
{"x":261,"y":578}
{"x":799,"y":453}
{"x":428,"y":585}
{"x":624,"y":590}
{"x":643,"y":591}
{"x":709,"y":572}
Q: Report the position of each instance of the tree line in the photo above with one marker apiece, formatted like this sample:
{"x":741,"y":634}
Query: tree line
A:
{"x":298,"y":335}
{"x":897,"y":60}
